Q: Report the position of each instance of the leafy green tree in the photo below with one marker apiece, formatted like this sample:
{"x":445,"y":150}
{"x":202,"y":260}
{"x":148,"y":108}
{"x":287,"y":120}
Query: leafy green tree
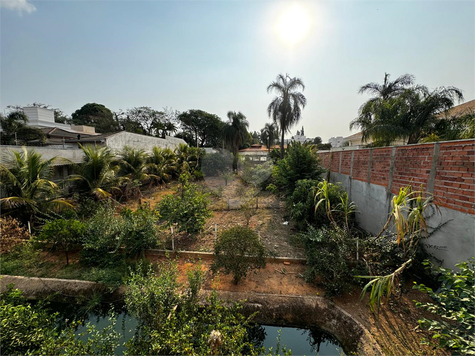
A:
{"x":63,"y":234}
{"x":400,"y":110}
{"x":188,"y":211}
{"x":235,"y":133}
{"x":237,"y":250}
{"x":317,"y":140}
{"x":287,"y":106}
{"x":95,"y":115}
{"x":187,"y":159}
{"x":97,"y":173}
{"x":133,"y":170}
{"x":25,"y":179}
{"x":15,"y":130}
{"x":204,"y":128}
{"x":300,"y":162}
{"x":146,"y":121}
{"x":454,"y":304}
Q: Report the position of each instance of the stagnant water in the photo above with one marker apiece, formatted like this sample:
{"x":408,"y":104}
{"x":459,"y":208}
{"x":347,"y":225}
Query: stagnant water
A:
{"x":299,"y":341}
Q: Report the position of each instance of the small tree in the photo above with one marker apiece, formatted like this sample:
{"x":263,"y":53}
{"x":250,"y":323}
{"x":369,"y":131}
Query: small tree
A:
{"x":237,"y":250}
{"x":64,"y":234}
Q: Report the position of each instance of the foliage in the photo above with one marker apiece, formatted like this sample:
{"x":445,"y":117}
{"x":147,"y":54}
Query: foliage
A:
{"x":237,"y":250}
{"x":330,"y":258}
{"x":13,"y":234}
{"x":454,"y":302}
{"x":63,"y":234}
{"x":201,"y":129}
{"x":235,"y":132}
{"x":139,"y":230}
{"x":301,"y":204}
{"x":409,"y":211}
{"x":95,"y":115}
{"x":133,"y":170}
{"x":400,"y":110}
{"x":300,"y":162}
{"x":24,"y":327}
{"x":187,"y":159}
{"x":333,"y":200}
{"x":161,"y":164}
{"x":28,"y":329}
{"x":173,"y":323}
{"x":97,"y":173}
{"x":147,"y":121}
{"x":287,"y":106}
{"x":189,"y":211}
{"x":269,"y":134}
{"x":15,"y":130}
{"x":25,"y":180}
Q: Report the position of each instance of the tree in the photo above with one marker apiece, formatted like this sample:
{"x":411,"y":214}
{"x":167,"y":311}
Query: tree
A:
{"x":237,"y":250}
{"x":268,"y":134}
{"x":96,"y":115}
{"x":133,"y":169}
{"x":235,"y":133}
{"x":287,"y":106}
{"x":161,"y":164}
{"x":25,"y":179}
{"x":15,"y":130}
{"x":96,"y":174}
{"x":204,"y":128}
{"x":400,"y":110}
{"x":146,"y":121}
{"x":317,"y":140}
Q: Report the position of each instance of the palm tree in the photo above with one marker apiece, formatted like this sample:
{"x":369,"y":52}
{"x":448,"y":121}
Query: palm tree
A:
{"x":187,"y":158}
{"x":25,"y":178}
{"x":97,"y":173}
{"x":161,"y":164}
{"x":235,"y":133}
{"x":287,"y":106}
{"x":376,"y":116}
{"x":133,"y":164}
{"x":269,"y":134}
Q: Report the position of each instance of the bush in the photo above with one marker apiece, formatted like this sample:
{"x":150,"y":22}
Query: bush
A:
{"x":63,"y":234}
{"x":300,"y":162}
{"x":140,"y":230}
{"x":237,"y":250}
{"x":189,"y":212}
{"x":454,"y":302}
{"x":13,"y":234}
{"x":330,"y":253}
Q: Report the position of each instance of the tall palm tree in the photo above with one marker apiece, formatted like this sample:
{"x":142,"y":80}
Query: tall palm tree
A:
{"x":269,"y":134}
{"x":376,"y":117}
{"x":25,"y":178}
{"x":97,"y":172}
{"x":235,"y":133}
{"x":287,"y":106}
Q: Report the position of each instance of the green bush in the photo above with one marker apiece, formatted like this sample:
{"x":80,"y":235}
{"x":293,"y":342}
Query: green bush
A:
{"x":237,"y":250}
{"x":189,"y":211}
{"x":140,"y":230}
{"x":454,"y":301}
{"x":63,"y":234}
{"x":171,"y":322}
{"x":330,"y":258}
{"x":300,"y":162}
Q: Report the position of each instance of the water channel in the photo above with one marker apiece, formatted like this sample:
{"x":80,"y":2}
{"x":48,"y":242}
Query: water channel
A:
{"x":299,"y":341}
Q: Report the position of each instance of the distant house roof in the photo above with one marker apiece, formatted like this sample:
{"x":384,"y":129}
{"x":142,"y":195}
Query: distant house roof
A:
{"x":460,"y":110}
{"x":258,"y":148}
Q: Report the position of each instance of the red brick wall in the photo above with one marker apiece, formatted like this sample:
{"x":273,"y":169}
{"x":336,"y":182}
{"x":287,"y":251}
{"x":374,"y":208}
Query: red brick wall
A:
{"x":454,"y":184}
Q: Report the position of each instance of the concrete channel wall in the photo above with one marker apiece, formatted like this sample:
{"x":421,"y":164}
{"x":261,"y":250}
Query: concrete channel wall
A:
{"x":444,"y":169}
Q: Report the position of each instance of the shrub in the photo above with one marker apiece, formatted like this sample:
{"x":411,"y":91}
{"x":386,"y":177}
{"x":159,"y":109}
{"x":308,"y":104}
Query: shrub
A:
{"x":454,"y":302}
{"x":237,"y":250}
{"x":300,"y":162}
{"x":13,"y":234}
{"x":330,"y":253}
{"x":189,"y":212}
{"x":139,"y":231}
{"x":63,"y":234}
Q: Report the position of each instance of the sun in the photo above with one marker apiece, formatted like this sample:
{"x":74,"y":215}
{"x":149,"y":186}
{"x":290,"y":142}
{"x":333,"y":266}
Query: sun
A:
{"x":294,"y":24}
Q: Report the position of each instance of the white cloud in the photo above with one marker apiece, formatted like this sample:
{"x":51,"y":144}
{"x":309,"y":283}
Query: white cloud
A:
{"x":19,"y":5}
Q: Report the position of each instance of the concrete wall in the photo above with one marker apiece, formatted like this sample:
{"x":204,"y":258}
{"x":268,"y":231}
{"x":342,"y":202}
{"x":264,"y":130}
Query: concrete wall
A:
{"x":64,"y":156}
{"x":446,"y":170}
{"x":117,"y":141}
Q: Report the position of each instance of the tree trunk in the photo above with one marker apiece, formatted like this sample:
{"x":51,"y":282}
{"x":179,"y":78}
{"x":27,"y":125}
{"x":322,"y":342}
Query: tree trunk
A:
{"x":282,"y":145}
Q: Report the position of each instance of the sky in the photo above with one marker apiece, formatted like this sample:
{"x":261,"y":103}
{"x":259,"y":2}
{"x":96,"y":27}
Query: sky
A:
{"x":221,"y":55}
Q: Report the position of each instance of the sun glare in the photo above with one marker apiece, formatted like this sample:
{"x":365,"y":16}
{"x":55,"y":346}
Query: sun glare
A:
{"x":294,"y":24}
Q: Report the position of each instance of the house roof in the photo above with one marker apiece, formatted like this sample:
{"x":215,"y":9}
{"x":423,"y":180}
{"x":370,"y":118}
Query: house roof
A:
{"x":260,"y":148}
{"x":460,"y":110}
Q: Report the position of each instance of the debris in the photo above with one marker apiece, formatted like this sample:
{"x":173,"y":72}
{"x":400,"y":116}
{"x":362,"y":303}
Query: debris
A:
{"x":285,"y":223}
{"x":287,"y":263}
